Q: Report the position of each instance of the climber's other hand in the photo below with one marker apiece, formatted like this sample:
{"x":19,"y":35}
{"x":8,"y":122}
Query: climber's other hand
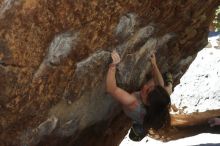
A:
{"x":115,"y":57}
{"x":153,"y":58}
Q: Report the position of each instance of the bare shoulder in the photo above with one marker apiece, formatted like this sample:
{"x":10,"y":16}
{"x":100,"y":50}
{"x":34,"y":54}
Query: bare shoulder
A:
{"x":124,"y":97}
{"x":133,"y":104}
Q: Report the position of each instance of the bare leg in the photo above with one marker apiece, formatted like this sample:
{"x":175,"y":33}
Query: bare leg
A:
{"x":169,"y":88}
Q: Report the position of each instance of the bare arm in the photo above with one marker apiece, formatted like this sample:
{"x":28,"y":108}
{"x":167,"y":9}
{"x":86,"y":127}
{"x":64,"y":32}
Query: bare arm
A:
{"x":119,"y":94}
{"x":156,"y":72}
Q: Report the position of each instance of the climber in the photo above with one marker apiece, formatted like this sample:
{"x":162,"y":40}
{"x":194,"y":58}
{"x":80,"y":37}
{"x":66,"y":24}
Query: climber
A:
{"x":148,"y":108}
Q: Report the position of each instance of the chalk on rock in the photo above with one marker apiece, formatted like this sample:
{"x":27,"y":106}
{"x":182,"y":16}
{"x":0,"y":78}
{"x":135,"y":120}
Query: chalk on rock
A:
{"x":47,"y":126}
{"x":69,"y":101}
{"x":6,"y":5}
{"x":33,"y":137}
{"x":149,"y":46}
{"x":164,"y":39}
{"x":126,"y":25}
{"x":69,"y":128}
{"x":61,"y":47}
{"x":145,"y":32}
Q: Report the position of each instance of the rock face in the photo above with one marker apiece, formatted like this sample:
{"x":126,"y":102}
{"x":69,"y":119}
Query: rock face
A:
{"x":54,"y":56}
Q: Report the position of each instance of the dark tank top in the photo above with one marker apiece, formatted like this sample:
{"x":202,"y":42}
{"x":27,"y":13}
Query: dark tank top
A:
{"x":137,"y":114}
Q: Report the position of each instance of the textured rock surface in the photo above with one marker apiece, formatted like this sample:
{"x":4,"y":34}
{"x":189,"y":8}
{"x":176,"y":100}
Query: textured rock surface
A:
{"x":54,"y":56}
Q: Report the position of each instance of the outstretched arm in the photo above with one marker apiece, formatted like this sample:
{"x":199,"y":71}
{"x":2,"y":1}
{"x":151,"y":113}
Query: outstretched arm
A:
{"x":158,"y":79}
{"x":119,"y":94}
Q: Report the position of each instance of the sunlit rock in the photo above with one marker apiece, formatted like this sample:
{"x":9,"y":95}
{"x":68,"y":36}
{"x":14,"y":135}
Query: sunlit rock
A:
{"x":54,"y":56}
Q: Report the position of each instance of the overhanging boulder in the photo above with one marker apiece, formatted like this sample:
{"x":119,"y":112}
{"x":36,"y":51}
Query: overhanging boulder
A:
{"x":54,"y":57}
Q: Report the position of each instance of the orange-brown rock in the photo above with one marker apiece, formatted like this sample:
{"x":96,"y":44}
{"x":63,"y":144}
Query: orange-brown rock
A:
{"x":54,"y":55}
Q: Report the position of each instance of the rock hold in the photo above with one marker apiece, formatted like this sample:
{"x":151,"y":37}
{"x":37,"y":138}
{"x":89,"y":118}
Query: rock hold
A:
{"x":126,"y":25}
{"x":33,"y":137}
{"x":61,"y":47}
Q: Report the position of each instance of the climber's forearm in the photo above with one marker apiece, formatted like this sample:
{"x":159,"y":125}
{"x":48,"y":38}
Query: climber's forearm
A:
{"x":157,"y":75}
{"x":111,"y":85}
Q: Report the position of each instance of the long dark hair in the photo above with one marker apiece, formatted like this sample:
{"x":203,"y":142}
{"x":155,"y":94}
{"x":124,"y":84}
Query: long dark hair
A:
{"x":158,"y":115}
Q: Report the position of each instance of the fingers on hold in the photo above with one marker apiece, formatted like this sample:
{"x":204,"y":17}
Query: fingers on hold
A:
{"x":114,"y":57}
{"x":115,"y":52}
{"x":117,"y":56}
{"x":152,"y":54}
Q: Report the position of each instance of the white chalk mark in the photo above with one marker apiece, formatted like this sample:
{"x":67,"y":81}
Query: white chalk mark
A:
{"x":6,"y":5}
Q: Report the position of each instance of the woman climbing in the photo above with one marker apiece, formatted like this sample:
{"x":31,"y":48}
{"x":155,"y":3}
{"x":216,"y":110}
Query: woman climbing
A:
{"x":148,"y":108}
